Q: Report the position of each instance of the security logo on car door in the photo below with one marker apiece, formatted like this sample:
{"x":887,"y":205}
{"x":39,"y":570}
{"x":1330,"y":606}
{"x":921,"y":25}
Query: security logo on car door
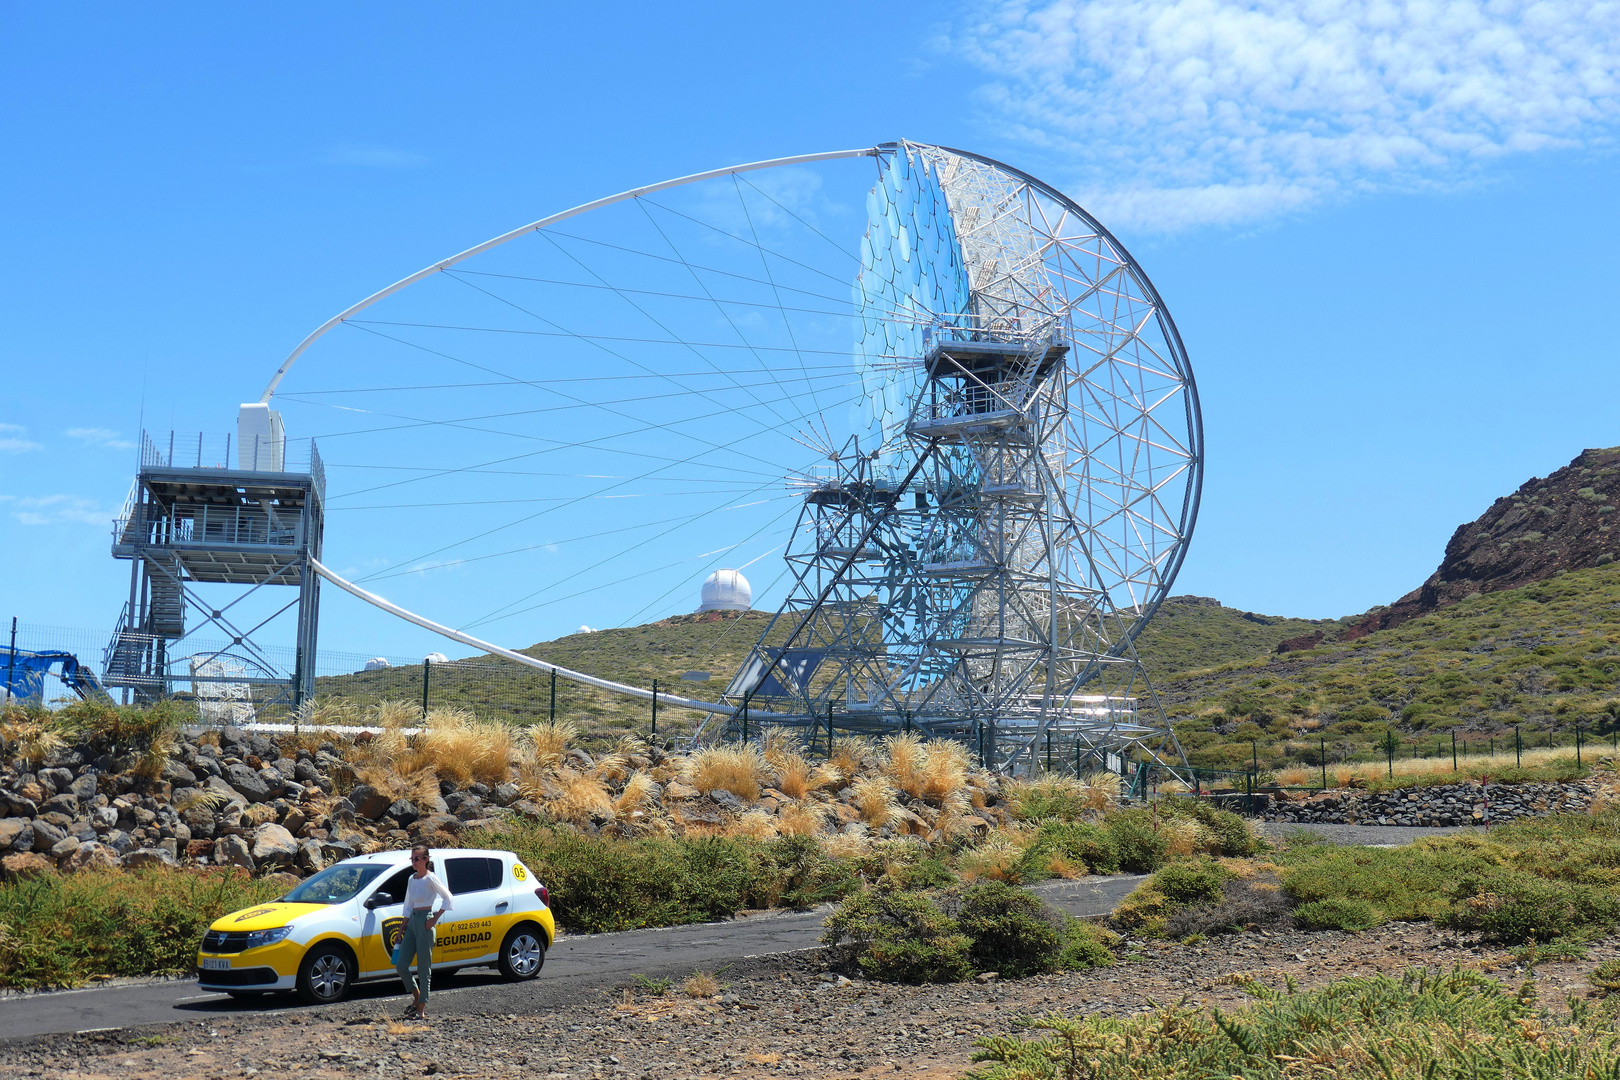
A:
{"x":392,"y":930}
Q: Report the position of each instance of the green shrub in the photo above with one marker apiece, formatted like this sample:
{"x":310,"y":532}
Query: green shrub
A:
{"x":1338,"y":913}
{"x":1080,"y":842}
{"x":1513,"y":907}
{"x":1606,"y":977}
{"x":929,"y":873}
{"x":1011,"y":930}
{"x":1232,"y":835}
{"x":600,"y":884}
{"x":1054,"y":798}
{"x":1140,"y":847}
{"x":1454,"y":1025}
{"x":1191,"y":884}
{"x":899,"y":936}
{"x":1086,"y":945}
{"x":59,"y":930}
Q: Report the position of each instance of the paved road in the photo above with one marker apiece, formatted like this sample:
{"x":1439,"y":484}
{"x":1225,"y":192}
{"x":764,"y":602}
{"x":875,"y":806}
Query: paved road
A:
{"x":1363,"y":835}
{"x":574,"y":964}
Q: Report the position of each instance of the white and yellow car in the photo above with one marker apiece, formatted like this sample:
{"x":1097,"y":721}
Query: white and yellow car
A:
{"x":339,"y":926}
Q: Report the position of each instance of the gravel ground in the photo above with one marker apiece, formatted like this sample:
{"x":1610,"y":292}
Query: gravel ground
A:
{"x":778,"y":1016}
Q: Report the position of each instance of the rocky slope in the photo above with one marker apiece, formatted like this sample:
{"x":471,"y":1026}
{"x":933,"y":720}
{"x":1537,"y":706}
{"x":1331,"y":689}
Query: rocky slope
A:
{"x":1564,"y":522}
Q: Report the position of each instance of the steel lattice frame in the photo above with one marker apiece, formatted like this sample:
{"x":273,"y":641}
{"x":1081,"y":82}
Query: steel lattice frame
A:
{"x":983,"y":569}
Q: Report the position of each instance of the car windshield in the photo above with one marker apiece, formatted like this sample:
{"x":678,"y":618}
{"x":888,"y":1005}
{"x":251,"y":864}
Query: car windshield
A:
{"x":334,"y":885}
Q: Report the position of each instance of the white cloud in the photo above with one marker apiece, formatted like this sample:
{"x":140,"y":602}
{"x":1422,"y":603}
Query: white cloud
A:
{"x":374,"y":157}
{"x":1183,"y":112}
{"x":56,"y":510}
{"x":95,"y":436}
{"x":13,"y":440}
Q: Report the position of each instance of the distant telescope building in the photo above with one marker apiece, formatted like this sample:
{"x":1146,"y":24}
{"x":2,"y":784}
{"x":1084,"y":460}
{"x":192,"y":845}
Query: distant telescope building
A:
{"x":727,"y":590}
{"x":377,"y":663}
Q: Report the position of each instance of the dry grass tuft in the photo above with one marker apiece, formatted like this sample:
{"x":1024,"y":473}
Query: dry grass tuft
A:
{"x":1182,"y":837}
{"x":34,"y":739}
{"x":993,"y":860}
{"x":583,"y":798}
{"x":933,"y":769}
{"x":849,"y":755}
{"x":462,"y":748}
{"x":1102,"y":791}
{"x":634,"y":795}
{"x":800,"y":819}
{"x":418,"y":786}
{"x":550,"y":739}
{"x":742,"y":771}
{"x":873,"y":799}
{"x":755,"y":825}
{"x":701,"y":985}
{"x":200,"y":797}
{"x":386,"y":714}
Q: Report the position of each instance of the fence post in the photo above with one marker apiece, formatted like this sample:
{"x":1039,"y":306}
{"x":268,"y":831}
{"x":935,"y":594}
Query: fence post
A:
{"x":745,"y":720}
{"x":1254,"y":757}
{"x":427,"y":665}
{"x":1389,"y":751}
{"x":554,"y":695}
{"x":1453,"y":751}
{"x":11,"y":665}
{"x":1048,"y":749}
{"x":1518,"y":748}
{"x":655,"y":709}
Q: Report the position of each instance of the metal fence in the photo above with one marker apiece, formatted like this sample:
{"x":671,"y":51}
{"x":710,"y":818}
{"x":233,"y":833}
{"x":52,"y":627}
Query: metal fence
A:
{"x":228,"y":681}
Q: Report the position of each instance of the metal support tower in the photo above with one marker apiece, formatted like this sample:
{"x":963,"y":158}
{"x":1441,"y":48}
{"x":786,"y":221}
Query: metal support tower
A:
{"x":979,"y":561}
{"x":193,"y":517}
{"x":953,"y":600}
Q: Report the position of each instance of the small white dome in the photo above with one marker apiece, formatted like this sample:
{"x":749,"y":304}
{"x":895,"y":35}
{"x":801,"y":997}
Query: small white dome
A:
{"x":377,"y":663}
{"x":436,"y":658}
{"x":727,"y":590}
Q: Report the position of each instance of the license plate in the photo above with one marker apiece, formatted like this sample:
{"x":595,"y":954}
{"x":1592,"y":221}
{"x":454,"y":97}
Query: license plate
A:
{"x":216,"y":963}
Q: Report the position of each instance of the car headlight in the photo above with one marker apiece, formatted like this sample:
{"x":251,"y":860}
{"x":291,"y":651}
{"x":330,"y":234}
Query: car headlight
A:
{"x":266,"y":937}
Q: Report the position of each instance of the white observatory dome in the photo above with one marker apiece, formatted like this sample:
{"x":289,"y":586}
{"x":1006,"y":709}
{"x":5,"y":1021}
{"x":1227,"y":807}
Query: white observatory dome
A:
{"x":436,"y":658}
{"x":727,"y":590}
{"x":377,"y":663}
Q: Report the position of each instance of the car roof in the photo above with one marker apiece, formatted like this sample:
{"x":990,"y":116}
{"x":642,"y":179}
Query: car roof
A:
{"x":402,"y":857}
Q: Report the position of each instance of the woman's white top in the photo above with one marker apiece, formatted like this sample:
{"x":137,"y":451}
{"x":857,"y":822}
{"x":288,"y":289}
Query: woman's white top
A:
{"x":419,"y":892}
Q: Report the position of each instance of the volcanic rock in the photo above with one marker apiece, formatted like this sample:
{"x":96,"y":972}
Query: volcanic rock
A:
{"x":273,"y":845}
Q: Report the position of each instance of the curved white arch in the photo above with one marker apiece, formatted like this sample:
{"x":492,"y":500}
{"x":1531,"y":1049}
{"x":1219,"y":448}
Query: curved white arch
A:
{"x":467,"y":639}
{"x":445,"y":264}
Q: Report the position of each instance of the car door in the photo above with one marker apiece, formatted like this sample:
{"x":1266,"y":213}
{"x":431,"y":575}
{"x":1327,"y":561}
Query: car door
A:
{"x":467,"y":935}
{"x":382,"y":924}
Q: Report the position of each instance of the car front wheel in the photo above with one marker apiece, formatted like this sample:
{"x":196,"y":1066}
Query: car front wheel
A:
{"x":325,"y":975}
{"x":523,"y":953}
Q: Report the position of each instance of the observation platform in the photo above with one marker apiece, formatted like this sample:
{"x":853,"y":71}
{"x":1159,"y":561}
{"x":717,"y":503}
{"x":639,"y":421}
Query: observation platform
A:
{"x":222,"y":523}
{"x":980,"y":387}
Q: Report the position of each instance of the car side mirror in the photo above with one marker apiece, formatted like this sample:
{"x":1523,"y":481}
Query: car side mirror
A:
{"x":377,"y":900}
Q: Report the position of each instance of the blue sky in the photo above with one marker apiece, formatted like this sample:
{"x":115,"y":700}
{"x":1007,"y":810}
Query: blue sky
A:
{"x":1387,"y":233}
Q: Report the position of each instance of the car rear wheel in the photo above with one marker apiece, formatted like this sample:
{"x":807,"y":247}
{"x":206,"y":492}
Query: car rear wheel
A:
{"x":523,"y":953}
{"x":326,"y":975}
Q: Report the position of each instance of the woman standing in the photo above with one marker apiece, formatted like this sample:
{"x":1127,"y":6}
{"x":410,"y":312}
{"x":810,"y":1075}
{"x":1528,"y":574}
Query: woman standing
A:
{"x":421,"y":888}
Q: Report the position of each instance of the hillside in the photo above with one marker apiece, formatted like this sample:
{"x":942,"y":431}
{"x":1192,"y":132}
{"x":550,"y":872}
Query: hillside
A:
{"x":1545,"y":656}
{"x":1562,"y":523}
{"x":495,"y":688}
{"x":1192,"y":632}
